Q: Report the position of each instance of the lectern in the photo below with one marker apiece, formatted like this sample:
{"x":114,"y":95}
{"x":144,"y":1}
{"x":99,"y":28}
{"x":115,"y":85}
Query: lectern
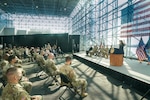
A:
{"x":116,"y":59}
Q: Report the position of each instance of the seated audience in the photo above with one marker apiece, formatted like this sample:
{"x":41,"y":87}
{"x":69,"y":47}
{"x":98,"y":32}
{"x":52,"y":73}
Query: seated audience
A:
{"x":76,"y":82}
{"x":13,"y":90}
{"x":87,"y":52}
{"x":12,"y":59}
{"x":94,"y":51}
{"x":50,"y":65}
{"x":60,"y":51}
{"x":40,"y":59}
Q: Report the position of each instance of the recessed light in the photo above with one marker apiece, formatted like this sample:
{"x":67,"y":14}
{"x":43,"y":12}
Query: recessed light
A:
{"x":5,"y":3}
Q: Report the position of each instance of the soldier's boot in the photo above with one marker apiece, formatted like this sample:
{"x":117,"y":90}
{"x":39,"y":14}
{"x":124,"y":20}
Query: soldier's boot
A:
{"x":76,"y":90}
{"x":83,"y":93}
{"x":107,"y":56}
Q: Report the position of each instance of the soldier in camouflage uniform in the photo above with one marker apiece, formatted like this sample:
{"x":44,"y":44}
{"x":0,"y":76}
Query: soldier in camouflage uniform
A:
{"x":104,"y":51}
{"x":1,"y":54}
{"x":76,"y":82}
{"x":13,"y":90}
{"x":40,"y":59}
{"x":50,"y":65}
{"x":94,"y":51}
{"x":24,"y":81}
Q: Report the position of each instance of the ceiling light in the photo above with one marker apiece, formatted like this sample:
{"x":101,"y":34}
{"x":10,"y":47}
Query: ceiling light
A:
{"x":65,"y":9}
{"x":37,"y":7}
{"x":5,"y":3}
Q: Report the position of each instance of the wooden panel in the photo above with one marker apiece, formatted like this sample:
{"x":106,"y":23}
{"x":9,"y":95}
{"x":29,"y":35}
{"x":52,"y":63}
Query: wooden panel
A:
{"x":116,"y":59}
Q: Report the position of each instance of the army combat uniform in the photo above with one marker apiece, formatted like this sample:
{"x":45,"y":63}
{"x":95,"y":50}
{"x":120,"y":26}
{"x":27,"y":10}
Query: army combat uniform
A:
{"x":76,"y":82}
{"x":51,"y":67}
{"x":25,"y":83}
{"x":40,"y":60}
{"x":15,"y":92}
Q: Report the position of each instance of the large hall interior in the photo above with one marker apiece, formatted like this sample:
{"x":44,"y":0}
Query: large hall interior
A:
{"x":75,"y":49}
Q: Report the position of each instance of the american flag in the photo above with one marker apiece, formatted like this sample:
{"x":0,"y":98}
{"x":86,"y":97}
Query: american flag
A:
{"x":140,"y":50}
{"x":135,"y":20}
{"x":147,"y":49}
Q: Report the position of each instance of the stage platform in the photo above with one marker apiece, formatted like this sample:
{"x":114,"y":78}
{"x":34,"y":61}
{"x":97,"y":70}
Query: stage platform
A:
{"x":132,"y":73}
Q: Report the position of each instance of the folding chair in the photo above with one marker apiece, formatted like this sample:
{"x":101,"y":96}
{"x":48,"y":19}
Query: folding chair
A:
{"x":41,"y":69}
{"x":49,"y":76}
{"x":68,"y":85}
{"x":145,"y":94}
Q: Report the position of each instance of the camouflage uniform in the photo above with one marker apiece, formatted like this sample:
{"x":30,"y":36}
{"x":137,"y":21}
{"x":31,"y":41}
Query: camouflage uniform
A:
{"x":104,"y":52}
{"x":93,"y":51}
{"x":1,"y":54}
{"x":76,"y":82}
{"x":40,"y":60}
{"x":3,"y":64}
{"x":27,"y":85}
{"x":24,"y":83}
{"x":7,"y":66}
{"x":51,"y":67}
{"x":15,"y":92}
{"x":3,"y":69}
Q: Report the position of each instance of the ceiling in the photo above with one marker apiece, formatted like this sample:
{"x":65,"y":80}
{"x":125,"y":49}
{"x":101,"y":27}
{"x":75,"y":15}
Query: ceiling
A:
{"x":39,"y":7}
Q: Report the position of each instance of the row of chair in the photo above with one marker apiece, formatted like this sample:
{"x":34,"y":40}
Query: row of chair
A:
{"x":64,"y":79}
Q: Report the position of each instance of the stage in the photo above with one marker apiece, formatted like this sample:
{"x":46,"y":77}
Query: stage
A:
{"x":132,"y":73}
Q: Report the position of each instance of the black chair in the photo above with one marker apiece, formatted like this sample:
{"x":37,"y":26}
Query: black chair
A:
{"x":68,"y":84}
{"x":41,"y":68}
{"x":145,"y":94}
{"x":50,"y":76}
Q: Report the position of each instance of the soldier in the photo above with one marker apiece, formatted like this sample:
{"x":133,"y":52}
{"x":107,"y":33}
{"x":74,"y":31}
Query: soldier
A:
{"x":87,"y":52}
{"x":4,"y":63}
{"x":104,"y":51}
{"x":1,"y":54}
{"x":32,"y":52}
{"x":93,"y":51}
{"x":40,"y":59}
{"x":50,"y":65}
{"x":76,"y":82}
{"x":13,"y":90}
{"x":12,"y":59}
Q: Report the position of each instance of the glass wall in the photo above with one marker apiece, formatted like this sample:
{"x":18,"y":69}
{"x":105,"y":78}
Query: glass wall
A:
{"x":38,"y":23}
{"x":98,"y":22}
{"x":106,"y":22}
{"x":2,"y":21}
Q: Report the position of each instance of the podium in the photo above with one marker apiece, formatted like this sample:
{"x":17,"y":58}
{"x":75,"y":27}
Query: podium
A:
{"x":116,"y":59}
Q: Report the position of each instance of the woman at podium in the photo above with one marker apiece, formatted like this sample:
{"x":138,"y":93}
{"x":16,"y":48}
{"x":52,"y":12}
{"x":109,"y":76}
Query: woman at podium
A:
{"x":116,"y":55}
{"x":119,"y":50}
